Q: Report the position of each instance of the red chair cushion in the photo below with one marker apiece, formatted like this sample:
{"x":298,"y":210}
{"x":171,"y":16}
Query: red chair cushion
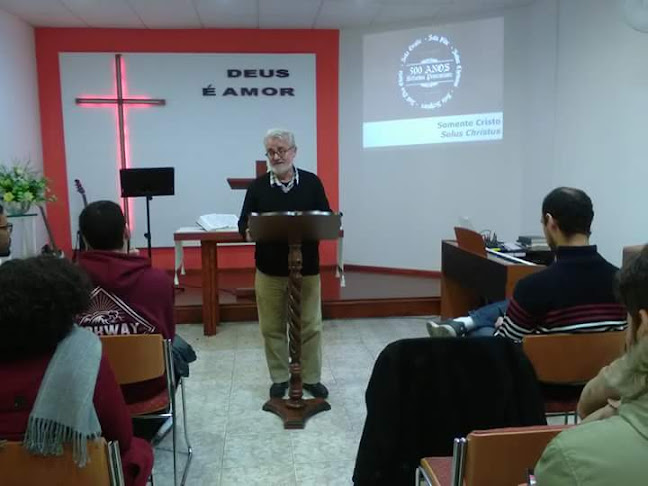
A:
{"x":560,"y":406}
{"x":439,"y":469}
{"x":154,"y":404}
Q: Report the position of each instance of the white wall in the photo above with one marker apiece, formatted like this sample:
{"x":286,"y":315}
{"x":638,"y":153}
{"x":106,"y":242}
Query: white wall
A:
{"x":575,"y":104}
{"x":538,"y":25}
{"x":399,"y":204}
{"x":206,"y":139}
{"x":601,"y":122}
{"x":20,"y":136}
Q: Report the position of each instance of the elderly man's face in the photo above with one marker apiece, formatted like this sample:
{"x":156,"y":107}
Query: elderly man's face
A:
{"x":280,"y":155}
{"x":5,"y":236}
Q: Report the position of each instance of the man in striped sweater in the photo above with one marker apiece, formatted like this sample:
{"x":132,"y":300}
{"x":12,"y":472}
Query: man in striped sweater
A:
{"x":573,"y":294}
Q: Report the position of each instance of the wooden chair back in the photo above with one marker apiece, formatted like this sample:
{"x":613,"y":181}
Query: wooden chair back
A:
{"x":503,"y":456}
{"x":20,"y":468}
{"x":136,"y":357}
{"x":470,"y":240}
{"x":572,"y":358}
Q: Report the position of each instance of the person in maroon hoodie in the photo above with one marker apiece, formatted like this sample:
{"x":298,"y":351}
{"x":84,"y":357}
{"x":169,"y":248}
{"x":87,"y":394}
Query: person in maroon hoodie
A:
{"x":39,"y":298}
{"x":129,"y":296}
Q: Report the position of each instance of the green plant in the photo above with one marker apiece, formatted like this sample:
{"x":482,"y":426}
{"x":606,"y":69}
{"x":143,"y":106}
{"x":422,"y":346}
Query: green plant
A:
{"x":20,"y":183}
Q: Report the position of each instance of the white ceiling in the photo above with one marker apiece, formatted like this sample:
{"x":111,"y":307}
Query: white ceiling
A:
{"x":318,"y":14}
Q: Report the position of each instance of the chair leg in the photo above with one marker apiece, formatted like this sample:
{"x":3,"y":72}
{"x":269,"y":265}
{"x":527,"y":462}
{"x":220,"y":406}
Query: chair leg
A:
{"x":566,"y":417}
{"x":174,"y":438}
{"x":152,"y":478}
{"x":186,"y":433}
{"x":417,"y":477}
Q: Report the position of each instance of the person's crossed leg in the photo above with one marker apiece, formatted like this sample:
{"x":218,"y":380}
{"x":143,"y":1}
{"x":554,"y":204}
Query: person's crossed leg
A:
{"x":480,"y":322}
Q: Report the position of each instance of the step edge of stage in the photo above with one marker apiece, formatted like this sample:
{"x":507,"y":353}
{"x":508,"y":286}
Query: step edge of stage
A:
{"x":333,"y":309}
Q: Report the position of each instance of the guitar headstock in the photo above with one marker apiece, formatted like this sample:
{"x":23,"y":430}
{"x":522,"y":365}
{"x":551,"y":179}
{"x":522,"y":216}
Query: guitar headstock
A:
{"x":79,"y":187}
{"x":81,"y":190}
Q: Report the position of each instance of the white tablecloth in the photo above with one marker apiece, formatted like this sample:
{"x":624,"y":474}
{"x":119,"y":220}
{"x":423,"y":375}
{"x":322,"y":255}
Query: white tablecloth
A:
{"x":179,"y":253}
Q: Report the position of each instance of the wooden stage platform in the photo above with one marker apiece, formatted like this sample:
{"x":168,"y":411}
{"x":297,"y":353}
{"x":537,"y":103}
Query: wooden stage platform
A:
{"x":368,"y":293}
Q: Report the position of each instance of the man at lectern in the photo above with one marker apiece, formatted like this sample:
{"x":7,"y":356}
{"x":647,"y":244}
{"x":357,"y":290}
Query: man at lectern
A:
{"x":286,"y":188}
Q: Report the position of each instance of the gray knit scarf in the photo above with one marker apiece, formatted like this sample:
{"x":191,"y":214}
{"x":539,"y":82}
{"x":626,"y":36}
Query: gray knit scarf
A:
{"x":64,"y":411}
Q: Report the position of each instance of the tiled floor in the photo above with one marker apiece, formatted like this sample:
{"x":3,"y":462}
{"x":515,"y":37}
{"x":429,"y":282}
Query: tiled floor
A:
{"x":235,"y":442}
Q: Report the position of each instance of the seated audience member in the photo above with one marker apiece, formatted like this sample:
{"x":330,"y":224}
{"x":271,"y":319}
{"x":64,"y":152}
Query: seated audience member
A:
{"x":423,"y":393}
{"x":611,"y":445}
{"x":573,"y":294}
{"x":5,"y":234}
{"x":56,"y":385}
{"x":130,"y":297}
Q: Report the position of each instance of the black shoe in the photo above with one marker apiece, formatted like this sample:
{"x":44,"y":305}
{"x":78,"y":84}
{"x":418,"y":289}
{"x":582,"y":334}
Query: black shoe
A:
{"x":278,"y":390}
{"x":317,"y":390}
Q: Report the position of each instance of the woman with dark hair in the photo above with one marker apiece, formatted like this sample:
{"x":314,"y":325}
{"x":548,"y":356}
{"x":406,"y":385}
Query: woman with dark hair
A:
{"x":56,"y":385}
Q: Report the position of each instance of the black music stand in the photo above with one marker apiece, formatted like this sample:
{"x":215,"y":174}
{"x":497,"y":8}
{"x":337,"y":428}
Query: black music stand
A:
{"x":159,"y":181}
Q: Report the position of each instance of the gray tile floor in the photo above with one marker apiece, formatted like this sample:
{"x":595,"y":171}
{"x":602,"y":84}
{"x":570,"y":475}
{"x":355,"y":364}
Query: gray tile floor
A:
{"x":235,"y":442}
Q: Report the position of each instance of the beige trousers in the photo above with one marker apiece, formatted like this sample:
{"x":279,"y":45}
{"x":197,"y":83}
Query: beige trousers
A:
{"x":272,"y":305}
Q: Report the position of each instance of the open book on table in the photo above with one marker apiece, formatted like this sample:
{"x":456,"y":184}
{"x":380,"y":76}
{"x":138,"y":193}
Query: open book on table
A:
{"x":216,"y":222}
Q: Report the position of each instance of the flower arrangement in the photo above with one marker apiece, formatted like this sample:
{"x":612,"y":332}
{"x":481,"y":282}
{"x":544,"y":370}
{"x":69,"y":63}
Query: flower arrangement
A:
{"x":21,"y":186}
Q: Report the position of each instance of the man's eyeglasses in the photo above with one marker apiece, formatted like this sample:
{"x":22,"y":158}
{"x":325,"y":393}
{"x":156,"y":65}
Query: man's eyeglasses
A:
{"x":8,"y":227}
{"x":280,"y":152}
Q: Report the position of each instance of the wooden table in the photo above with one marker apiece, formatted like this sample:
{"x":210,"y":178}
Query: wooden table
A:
{"x":209,"y":241}
{"x":467,"y":278}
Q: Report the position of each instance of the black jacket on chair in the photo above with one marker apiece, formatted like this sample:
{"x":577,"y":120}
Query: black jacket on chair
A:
{"x":423,"y":393}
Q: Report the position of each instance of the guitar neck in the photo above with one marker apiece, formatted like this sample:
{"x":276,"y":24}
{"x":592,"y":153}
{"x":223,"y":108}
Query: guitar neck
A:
{"x":49,"y":230}
{"x":81,"y":190}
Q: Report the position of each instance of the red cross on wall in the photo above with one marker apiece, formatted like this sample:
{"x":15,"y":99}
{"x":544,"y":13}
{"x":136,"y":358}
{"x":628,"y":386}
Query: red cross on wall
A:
{"x":261,"y":167}
{"x":121,"y":101}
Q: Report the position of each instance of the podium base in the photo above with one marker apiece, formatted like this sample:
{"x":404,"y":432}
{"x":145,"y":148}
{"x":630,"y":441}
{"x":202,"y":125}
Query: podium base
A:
{"x":295,"y":418}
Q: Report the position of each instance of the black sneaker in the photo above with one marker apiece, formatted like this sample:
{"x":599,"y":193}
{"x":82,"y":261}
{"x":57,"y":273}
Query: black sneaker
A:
{"x":317,"y":390}
{"x":278,"y":390}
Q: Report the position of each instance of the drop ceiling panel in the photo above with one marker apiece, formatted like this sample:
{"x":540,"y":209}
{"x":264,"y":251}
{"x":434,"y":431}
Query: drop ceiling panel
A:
{"x":306,"y":9}
{"x":354,"y":13}
{"x":398,"y":3}
{"x":215,"y":13}
{"x":167,"y":13}
{"x":283,"y":22}
{"x":391,"y":14}
{"x":231,"y":22}
{"x":42,"y":12}
{"x":334,"y":14}
{"x":102,"y":13}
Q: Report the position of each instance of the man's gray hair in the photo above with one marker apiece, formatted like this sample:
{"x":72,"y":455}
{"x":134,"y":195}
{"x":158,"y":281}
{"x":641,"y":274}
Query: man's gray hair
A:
{"x":280,"y":133}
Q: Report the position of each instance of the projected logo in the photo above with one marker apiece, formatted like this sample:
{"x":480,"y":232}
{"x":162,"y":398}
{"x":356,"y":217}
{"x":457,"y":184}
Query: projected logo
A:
{"x":430,"y":72}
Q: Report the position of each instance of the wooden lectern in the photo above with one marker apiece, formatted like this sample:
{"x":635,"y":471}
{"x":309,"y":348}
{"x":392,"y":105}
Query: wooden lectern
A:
{"x":293,"y":228}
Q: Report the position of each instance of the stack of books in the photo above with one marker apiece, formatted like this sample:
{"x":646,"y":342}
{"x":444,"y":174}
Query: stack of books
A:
{"x":533,"y":243}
